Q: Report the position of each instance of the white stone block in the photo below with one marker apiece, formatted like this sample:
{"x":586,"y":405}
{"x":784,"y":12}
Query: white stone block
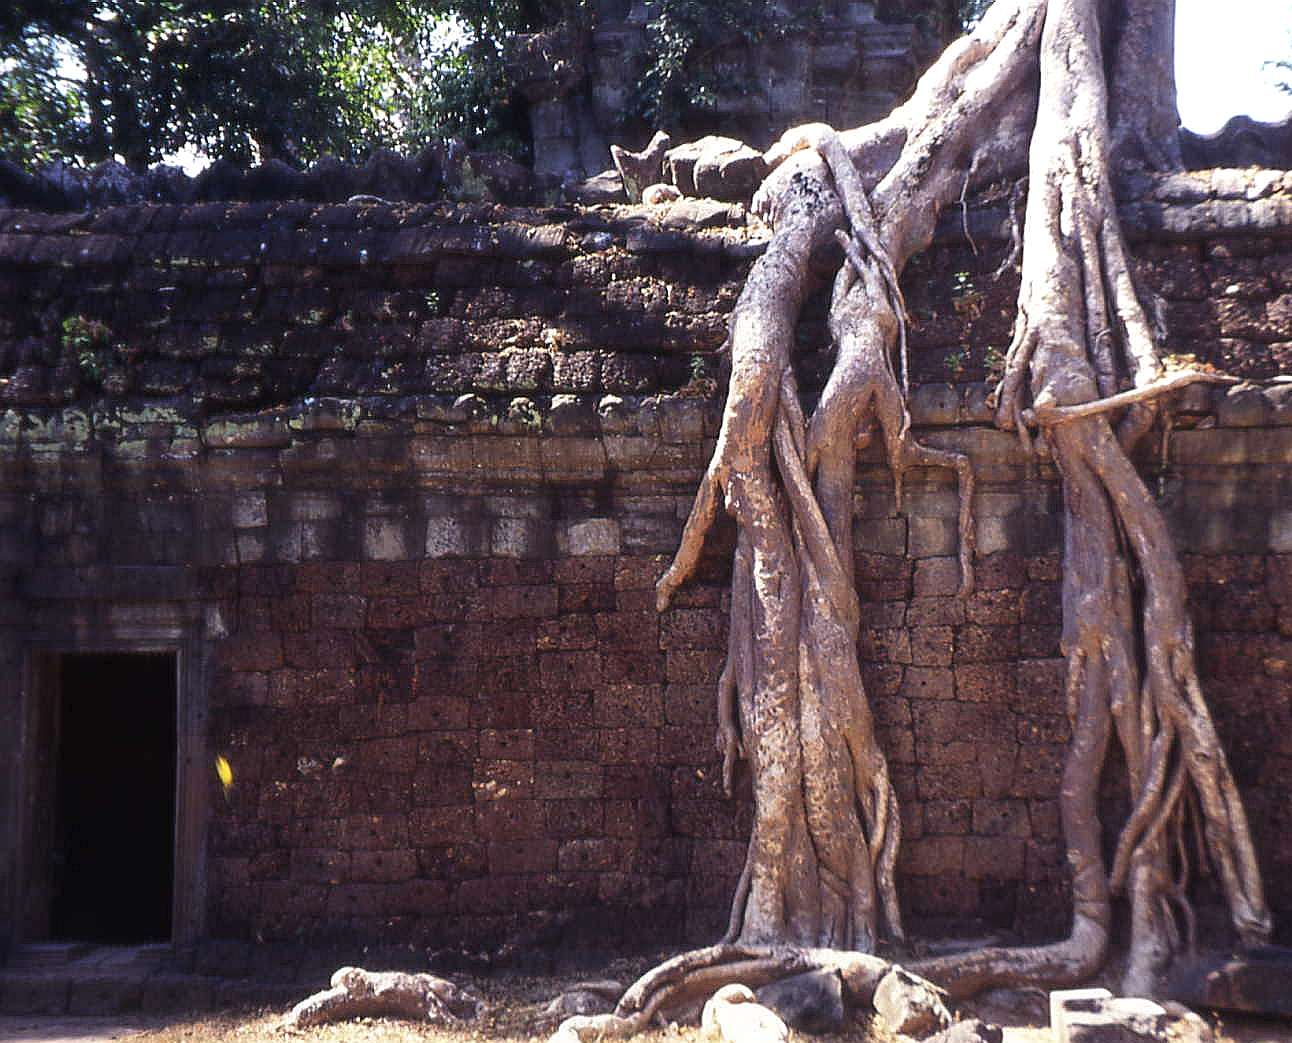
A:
{"x":1059,"y":999}
{"x":384,"y":539}
{"x":448,"y":537}
{"x":588,"y":537}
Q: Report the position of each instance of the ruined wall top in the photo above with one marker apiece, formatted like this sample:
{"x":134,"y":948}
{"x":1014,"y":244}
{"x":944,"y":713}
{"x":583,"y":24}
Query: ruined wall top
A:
{"x":260,"y":306}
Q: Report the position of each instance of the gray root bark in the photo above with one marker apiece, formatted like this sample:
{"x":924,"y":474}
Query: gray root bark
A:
{"x":356,"y":993}
{"x":819,"y":870}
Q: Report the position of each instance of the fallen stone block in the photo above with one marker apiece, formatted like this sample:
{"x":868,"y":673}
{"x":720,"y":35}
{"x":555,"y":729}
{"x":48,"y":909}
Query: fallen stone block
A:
{"x":680,"y":162}
{"x":637,"y":170}
{"x":811,"y":1002}
{"x":589,"y":1028}
{"x":734,"y":1015}
{"x":605,"y":187}
{"x":910,"y":1005}
{"x":591,"y":997}
{"x":727,"y":173}
{"x":1096,"y":1016}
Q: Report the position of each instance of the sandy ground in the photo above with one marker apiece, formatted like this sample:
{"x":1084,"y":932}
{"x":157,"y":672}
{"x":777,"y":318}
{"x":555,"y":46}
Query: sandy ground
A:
{"x":247,"y":1028}
{"x":515,"y":1015}
{"x":71,"y":1030}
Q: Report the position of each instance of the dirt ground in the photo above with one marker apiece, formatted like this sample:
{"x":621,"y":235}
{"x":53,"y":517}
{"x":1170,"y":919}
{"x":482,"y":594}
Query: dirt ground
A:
{"x":515,"y":1015}
{"x":266,"y":1025}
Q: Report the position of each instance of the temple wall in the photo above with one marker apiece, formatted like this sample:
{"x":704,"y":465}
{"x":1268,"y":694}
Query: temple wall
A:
{"x":397,"y":481}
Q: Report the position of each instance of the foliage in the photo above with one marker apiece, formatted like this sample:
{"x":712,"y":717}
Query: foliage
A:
{"x":683,"y":37}
{"x":141,"y":79}
{"x":970,"y":12}
{"x":994,"y":362}
{"x":82,"y":334}
{"x":956,"y":362}
{"x":247,"y":80}
{"x":87,"y":339}
{"x":470,"y":94}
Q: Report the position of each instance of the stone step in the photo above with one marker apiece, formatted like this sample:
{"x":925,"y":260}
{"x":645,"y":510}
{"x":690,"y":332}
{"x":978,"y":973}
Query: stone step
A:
{"x":100,"y":992}
{"x":46,"y":954}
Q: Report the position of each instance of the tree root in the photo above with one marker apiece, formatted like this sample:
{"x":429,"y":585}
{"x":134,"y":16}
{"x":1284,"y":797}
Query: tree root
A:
{"x":678,"y":989}
{"x":1047,"y":415}
{"x":684,"y":982}
{"x":356,"y":993}
{"x":1077,"y":305}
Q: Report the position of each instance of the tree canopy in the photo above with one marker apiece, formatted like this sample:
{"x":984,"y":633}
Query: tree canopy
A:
{"x":140,"y":80}
{"x":86,"y":80}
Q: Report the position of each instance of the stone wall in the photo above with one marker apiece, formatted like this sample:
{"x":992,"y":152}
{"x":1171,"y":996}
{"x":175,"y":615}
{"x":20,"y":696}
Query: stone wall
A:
{"x":399,"y":481}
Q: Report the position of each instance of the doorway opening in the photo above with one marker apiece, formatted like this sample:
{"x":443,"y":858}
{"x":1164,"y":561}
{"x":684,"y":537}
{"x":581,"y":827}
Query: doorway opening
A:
{"x":113,"y":842}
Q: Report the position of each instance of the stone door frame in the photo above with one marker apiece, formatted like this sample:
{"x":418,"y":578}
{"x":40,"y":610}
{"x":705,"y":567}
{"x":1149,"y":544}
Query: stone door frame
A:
{"x":192,"y":778}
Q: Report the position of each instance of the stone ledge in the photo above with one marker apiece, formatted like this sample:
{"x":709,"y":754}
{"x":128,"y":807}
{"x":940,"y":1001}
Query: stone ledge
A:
{"x":679,"y":419}
{"x":664,"y":446}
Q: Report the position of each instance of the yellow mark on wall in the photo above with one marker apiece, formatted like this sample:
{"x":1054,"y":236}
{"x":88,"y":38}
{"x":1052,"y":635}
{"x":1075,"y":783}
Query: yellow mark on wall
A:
{"x":225,"y":773}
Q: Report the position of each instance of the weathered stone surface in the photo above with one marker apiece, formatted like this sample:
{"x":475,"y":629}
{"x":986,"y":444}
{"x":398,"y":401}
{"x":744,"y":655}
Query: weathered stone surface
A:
{"x":1258,"y":982}
{"x":1241,"y":142}
{"x":811,"y":1002}
{"x":1096,"y":1016}
{"x":728,"y":173}
{"x":682,"y":161}
{"x":580,"y":1001}
{"x":605,"y":187}
{"x":910,"y":1005}
{"x":733,"y":1015}
{"x":639,"y":170}
{"x":659,"y":193}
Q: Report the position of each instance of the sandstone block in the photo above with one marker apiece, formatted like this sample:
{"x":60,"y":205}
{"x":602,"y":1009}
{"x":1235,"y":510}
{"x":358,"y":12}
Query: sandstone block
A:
{"x":453,"y":537}
{"x":733,"y":1016}
{"x":811,"y":1002}
{"x":909,"y":1005}
{"x":589,"y":537}
{"x":1096,"y":1016}
{"x":937,"y":577}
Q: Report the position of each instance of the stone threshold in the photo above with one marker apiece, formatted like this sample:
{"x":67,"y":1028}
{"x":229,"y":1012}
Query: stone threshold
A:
{"x":95,"y":980}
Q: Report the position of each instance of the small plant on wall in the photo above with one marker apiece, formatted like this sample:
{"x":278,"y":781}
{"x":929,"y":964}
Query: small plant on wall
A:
{"x":88,"y":340}
{"x":99,"y":360}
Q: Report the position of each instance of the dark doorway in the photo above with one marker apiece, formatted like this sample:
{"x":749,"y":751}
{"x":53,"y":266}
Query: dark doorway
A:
{"x":114,"y":839}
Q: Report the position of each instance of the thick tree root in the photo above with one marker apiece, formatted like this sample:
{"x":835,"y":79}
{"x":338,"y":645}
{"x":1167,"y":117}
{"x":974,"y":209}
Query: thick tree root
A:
{"x":356,"y":993}
{"x":677,"y":989}
{"x":1077,"y":305}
